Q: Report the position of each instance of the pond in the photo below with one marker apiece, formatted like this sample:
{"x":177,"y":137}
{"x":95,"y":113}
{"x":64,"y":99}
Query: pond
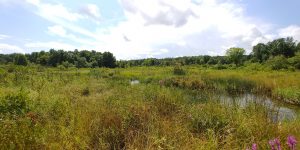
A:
{"x":278,"y":111}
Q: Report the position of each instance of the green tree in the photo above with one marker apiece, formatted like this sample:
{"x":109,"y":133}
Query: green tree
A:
{"x":295,"y":61}
{"x":282,"y":46}
{"x":298,"y":47}
{"x":43,"y":59}
{"x":109,"y":60}
{"x":236,"y":54}
{"x":20,"y":59}
{"x":150,"y":62}
{"x":260,"y":52}
{"x":81,"y":62}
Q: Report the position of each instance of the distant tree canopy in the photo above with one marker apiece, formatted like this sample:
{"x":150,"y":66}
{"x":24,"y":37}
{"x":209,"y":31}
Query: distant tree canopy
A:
{"x":272,"y":53}
{"x":54,"y":58}
{"x":283,"y":46}
{"x":286,"y":48}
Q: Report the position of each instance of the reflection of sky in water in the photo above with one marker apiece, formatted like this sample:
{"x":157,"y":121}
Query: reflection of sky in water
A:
{"x":134,"y":82}
{"x":277,"y":111}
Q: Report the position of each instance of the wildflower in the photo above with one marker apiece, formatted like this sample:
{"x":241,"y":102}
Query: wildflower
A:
{"x":274,"y":143}
{"x":254,"y":147}
{"x":277,"y":142}
{"x":291,"y":141}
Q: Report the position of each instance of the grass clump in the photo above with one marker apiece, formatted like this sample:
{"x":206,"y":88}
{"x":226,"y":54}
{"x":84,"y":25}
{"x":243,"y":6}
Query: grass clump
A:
{"x":178,"y":70}
{"x":291,"y":95}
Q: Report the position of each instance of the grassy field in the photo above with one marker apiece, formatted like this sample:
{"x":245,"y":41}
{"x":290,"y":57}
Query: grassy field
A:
{"x":48,"y":108}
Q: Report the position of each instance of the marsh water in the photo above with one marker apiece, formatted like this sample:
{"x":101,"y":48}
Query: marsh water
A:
{"x":134,"y":82}
{"x":277,"y":111}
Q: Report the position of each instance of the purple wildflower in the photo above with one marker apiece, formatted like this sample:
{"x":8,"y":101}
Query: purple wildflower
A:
{"x":272,"y":144}
{"x":291,"y":141}
{"x":277,"y":142}
{"x":254,"y":146}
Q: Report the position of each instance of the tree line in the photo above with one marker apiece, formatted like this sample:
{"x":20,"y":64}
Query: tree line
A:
{"x":279,"y":54}
{"x":54,"y":58}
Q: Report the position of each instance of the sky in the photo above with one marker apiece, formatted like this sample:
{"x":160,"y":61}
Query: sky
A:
{"x":133,"y":29}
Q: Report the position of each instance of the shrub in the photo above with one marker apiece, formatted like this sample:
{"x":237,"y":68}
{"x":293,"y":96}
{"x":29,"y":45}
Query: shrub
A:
{"x":178,"y":70}
{"x":61,"y":67}
{"x":3,"y":75}
{"x":278,"y":63}
{"x":295,"y":61}
{"x":220,"y":67}
{"x":14,"y":104}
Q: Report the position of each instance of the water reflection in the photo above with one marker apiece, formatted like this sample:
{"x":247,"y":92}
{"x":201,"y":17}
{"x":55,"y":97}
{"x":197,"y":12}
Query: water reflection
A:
{"x":134,"y":82}
{"x":277,"y":111}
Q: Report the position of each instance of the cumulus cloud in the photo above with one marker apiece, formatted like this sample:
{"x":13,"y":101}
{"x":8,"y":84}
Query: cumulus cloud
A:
{"x":92,"y":11}
{"x":290,"y":31}
{"x":181,"y":27}
{"x":159,"y":12}
{"x":47,"y":45}
{"x":7,"y":48}
{"x":54,"y":11}
{"x":159,"y":28}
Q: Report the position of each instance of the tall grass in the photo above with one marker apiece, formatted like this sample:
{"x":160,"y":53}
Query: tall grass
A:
{"x":99,"y":109}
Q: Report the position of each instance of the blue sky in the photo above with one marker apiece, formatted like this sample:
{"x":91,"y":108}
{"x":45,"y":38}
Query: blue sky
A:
{"x":141,"y":28}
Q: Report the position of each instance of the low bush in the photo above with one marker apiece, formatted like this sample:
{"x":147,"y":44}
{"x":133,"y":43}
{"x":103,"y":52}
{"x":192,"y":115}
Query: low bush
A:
{"x":14,"y":104}
{"x":178,"y":70}
{"x":278,"y":63}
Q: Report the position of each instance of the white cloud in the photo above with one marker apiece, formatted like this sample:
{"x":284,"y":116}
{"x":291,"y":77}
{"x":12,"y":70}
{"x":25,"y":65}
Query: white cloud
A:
{"x":293,"y":31}
{"x":57,"y":30}
{"x":91,"y":10}
{"x":49,"y":45}
{"x":63,"y":17}
{"x":160,"y":28}
{"x":182,"y":27}
{"x":7,"y":48}
{"x":57,"y":11}
{"x":3,"y":36}
{"x":34,"y":2}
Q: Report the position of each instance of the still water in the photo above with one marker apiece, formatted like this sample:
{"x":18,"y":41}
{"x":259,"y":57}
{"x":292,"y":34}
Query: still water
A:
{"x":277,"y":111}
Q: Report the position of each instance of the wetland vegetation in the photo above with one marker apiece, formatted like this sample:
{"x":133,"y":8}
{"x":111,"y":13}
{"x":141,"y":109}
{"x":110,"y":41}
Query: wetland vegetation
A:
{"x":146,"y":108}
{"x":88,"y":100}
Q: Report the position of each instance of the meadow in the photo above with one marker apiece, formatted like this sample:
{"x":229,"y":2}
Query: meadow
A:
{"x":177,"y":107}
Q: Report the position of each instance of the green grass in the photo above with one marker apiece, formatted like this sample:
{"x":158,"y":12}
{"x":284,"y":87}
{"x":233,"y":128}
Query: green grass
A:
{"x":46,"y":108}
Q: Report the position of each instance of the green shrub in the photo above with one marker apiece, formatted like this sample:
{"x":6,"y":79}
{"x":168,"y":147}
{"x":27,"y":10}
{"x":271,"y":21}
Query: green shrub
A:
{"x":220,"y":67}
{"x":178,"y":70}
{"x":3,"y":75}
{"x":295,"y":61}
{"x":61,"y":67}
{"x":14,"y":104}
{"x":278,"y":63}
